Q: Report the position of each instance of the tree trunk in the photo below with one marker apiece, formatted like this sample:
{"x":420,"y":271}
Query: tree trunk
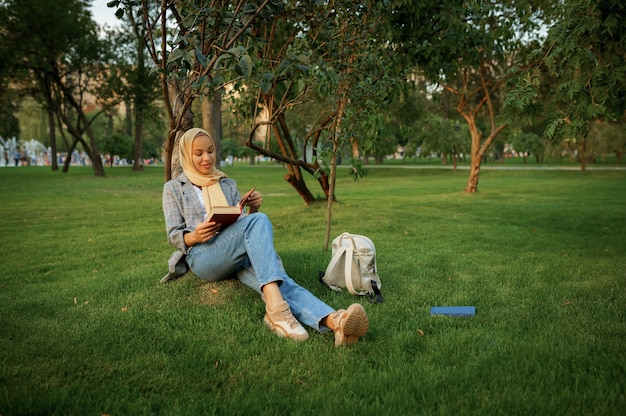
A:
{"x":129,"y":118}
{"x":294,"y":175}
{"x":300,"y":186}
{"x":479,"y":148}
{"x":68,"y":159}
{"x":53,"y":140}
{"x":139,"y":112}
{"x":288,"y":154}
{"x":323,"y":181}
{"x":475,"y":156}
{"x":179,"y":123}
{"x":472,"y":182}
{"x":355,"y":147}
{"x":212,"y":122}
{"x":77,"y":134}
{"x":138,"y":148}
{"x":94,"y":154}
{"x":334,"y":134}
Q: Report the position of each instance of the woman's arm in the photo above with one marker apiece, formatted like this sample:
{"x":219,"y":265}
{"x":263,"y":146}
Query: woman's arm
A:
{"x":175,"y":223}
{"x":203,"y":232}
{"x":181,"y":208}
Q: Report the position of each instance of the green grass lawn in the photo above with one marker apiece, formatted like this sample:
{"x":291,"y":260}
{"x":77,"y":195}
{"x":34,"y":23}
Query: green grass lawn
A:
{"x":87,"y":329}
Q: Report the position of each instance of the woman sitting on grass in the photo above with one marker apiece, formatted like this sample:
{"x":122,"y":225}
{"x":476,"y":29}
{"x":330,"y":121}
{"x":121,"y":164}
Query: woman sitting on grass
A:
{"x":245,"y":248}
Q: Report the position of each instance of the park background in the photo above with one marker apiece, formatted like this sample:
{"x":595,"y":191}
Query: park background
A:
{"x":376,"y":118}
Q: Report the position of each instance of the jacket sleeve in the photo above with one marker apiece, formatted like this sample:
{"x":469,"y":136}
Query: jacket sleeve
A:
{"x":174,"y":213}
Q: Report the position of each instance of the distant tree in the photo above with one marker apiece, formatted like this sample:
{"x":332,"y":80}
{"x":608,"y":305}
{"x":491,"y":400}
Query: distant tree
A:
{"x":9,"y":124}
{"x":443,"y":136}
{"x":409,"y":109}
{"x":610,"y":138}
{"x":469,"y":48}
{"x":54,"y":53}
{"x":136,"y":84}
{"x":527,"y":143}
{"x":584,"y":60}
{"x":117,"y":145}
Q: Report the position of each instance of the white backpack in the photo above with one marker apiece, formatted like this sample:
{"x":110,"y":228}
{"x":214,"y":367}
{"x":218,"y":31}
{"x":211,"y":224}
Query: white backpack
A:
{"x":353,"y":266}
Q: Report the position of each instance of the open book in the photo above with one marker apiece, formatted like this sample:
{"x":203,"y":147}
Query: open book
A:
{"x":228,"y":215}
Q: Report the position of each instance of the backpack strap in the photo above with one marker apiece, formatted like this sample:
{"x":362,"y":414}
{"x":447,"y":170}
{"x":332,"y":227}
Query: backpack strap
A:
{"x":376,"y":296}
{"x":348,"y":271}
{"x":348,"y":265}
{"x":341,"y":251}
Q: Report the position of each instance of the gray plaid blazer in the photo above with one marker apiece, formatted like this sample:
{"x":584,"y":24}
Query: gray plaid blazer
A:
{"x":182,"y":211}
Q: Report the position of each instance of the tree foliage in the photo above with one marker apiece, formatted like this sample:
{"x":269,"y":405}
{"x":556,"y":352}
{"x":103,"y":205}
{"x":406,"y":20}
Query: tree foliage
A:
{"x":136,"y":84}
{"x":469,"y":49}
{"x":312,"y":49}
{"x":197,"y":47}
{"x":54,"y":53}
{"x":584,"y":60}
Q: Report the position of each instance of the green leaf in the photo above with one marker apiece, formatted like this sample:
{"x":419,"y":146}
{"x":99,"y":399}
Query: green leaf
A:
{"x":265,"y":86}
{"x":201,"y":58}
{"x":174,"y":56}
{"x":245,"y":64}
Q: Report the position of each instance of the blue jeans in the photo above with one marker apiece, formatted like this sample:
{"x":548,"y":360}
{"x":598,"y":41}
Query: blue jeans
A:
{"x":246,"y":248}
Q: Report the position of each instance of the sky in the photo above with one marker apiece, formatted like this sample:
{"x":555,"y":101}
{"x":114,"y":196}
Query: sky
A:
{"x":102,"y":14}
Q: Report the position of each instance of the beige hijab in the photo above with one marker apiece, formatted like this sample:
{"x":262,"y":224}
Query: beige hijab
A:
{"x":211,"y":190}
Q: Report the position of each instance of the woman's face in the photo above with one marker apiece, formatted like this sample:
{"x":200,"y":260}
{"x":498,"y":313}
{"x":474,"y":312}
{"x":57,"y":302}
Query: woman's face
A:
{"x":203,"y":151}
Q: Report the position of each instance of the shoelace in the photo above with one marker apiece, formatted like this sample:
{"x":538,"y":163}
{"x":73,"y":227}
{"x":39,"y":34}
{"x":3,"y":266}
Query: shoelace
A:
{"x":288,"y":317}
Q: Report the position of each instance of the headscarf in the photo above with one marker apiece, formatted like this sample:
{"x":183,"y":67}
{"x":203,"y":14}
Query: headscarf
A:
{"x":211,"y":190}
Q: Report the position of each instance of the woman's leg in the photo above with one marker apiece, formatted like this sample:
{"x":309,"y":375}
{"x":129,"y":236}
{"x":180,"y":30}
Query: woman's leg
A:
{"x":249,"y":240}
{"x":348,"y":325}
{"x":306,"y":307}
{"x":247,"y":246}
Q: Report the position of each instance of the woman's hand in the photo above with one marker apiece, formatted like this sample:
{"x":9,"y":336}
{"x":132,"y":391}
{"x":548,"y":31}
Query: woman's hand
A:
{"x":204,"y":232}
{"x":254,"y":201}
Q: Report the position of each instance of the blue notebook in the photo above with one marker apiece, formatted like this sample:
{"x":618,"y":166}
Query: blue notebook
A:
{"x":462,"y":311}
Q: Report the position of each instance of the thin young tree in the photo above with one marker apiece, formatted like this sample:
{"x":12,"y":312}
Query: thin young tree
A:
{"x":197,"y":47}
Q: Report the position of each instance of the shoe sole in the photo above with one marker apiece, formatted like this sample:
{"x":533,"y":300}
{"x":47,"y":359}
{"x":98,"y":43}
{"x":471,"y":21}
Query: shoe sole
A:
{"x":355,"y":325}
{"x":281,"y":332}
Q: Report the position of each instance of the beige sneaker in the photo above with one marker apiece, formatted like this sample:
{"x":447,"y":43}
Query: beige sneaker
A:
{"x":284,"y":324}
{"x":350,"y":324}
